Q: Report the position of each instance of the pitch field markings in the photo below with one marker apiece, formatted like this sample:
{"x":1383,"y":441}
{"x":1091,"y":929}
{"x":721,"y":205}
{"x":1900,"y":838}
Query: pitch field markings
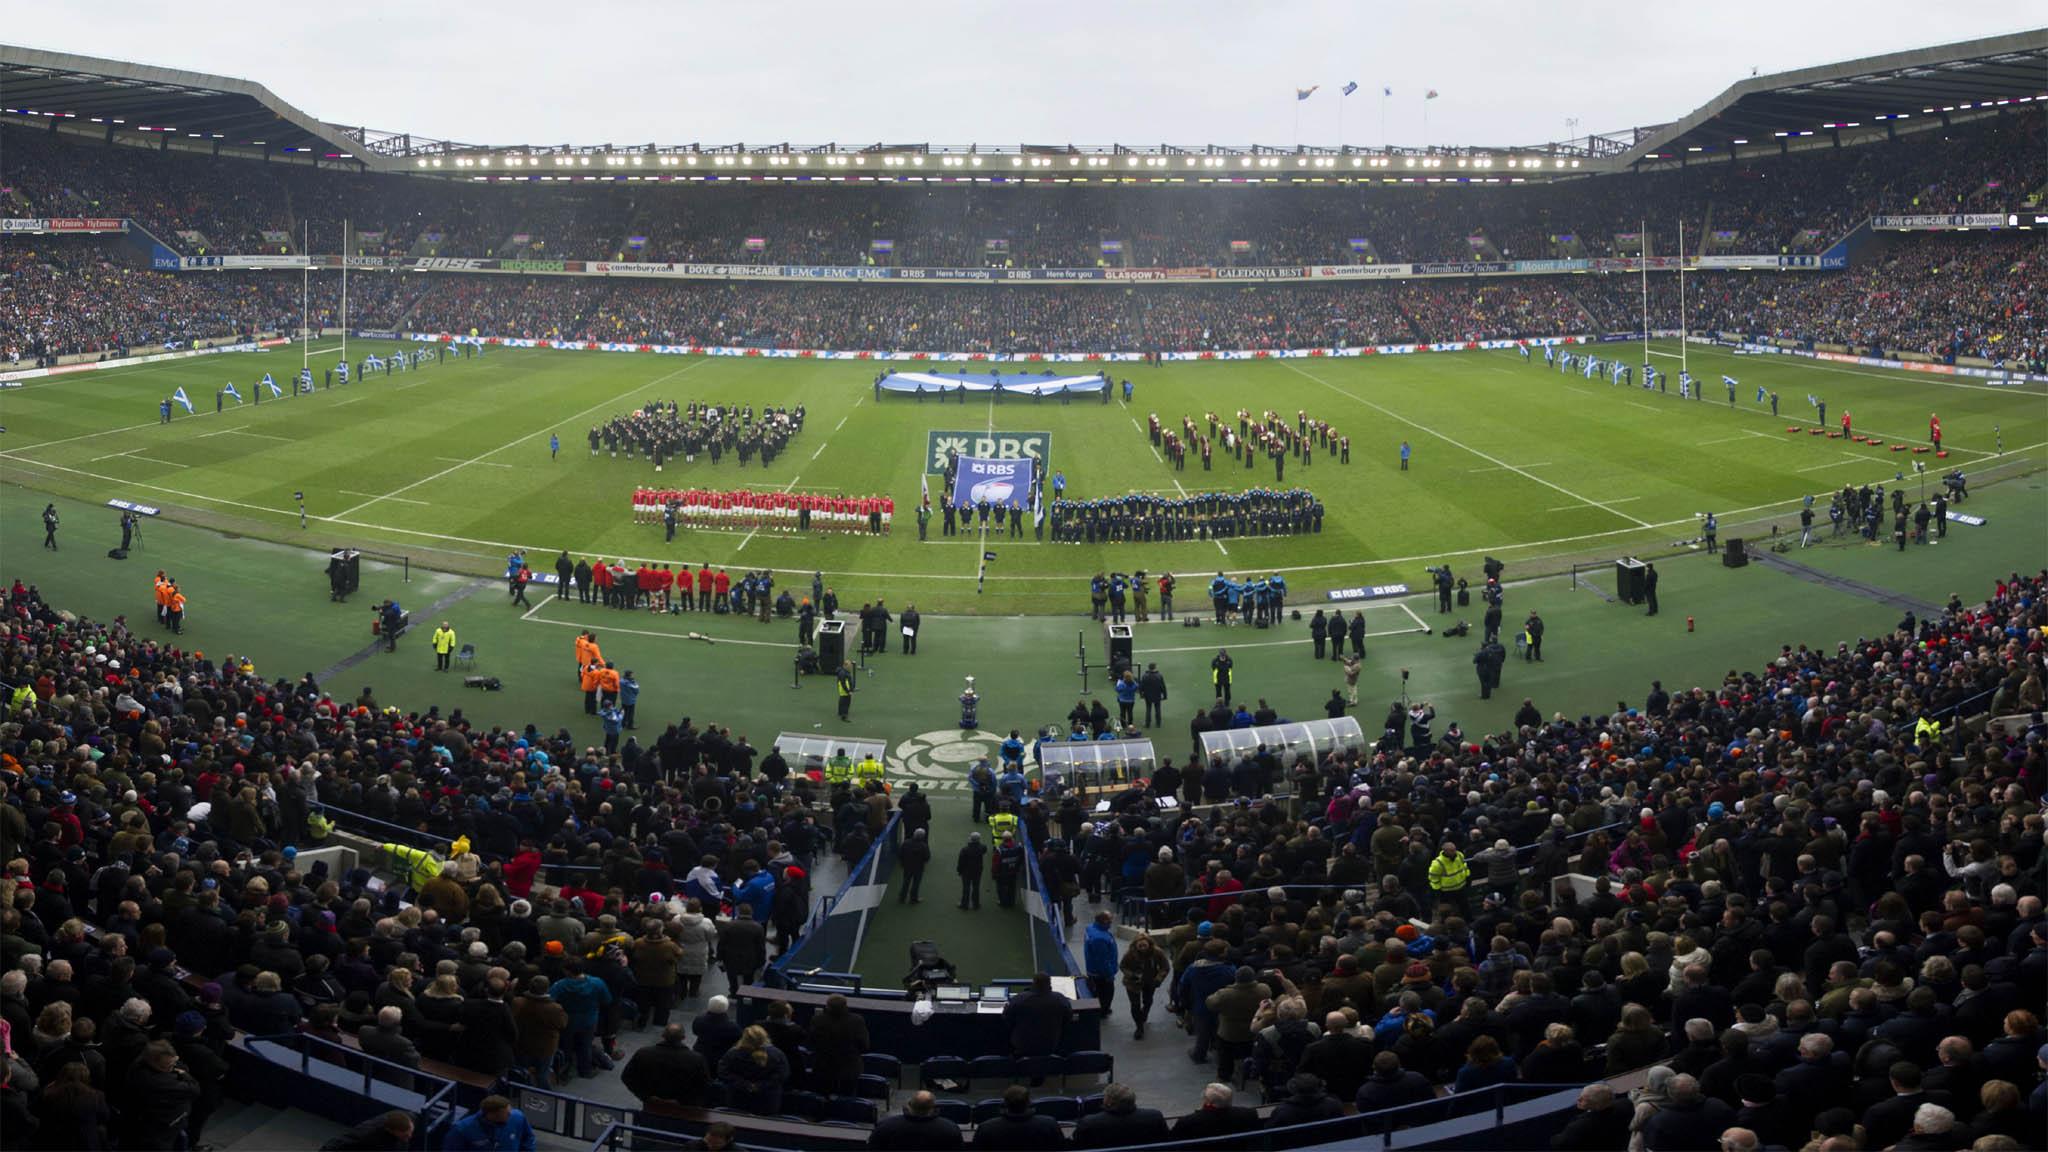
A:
{"x":1848,"y":458}
{"x":484,"y":457}
{"x":1816,"y":367}
{"x":1511,"y":467}
{"x":1576,"y":507}
{"x":201,"y":414}
{"x":532,"y":619}
{"x":1176,"y":480}
{"x":1393,"y":415}
{"x":786,"y":489}
{"x":393,"y":499}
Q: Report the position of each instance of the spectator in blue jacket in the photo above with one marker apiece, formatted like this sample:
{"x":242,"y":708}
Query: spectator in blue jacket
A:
{"x":1098,"y":956}
{"x":1126,"y":698}
{"x":583,"y":999}
{"x":1013,"y":750}
{"x":756,"y":889}
{"x":495,"y":1126}
{"x":1211,"y":973}
{"x":1012,"y":784}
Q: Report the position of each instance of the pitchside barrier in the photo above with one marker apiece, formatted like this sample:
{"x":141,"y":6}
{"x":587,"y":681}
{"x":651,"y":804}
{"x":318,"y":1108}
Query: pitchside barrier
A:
{"x":832,"y":942}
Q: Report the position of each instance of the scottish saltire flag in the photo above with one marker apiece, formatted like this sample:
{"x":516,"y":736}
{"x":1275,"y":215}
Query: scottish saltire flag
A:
{"x":1386,"y":91}
{"x":1305,"y":93}
{"x":1762,"y":393}
{"x":372,"y":363}
{"x":1037,"y":510}
{"x":1525,"y":351}
{"x":1592,"y":366}
{"x":341,"y":370}
{"x":181,"y":400}
{"x":1549,"y":354}
{"x":230,"y":390}
{"x":1350,"y":88}
{"x":1811,"y":402}
{"x":272,"y":385}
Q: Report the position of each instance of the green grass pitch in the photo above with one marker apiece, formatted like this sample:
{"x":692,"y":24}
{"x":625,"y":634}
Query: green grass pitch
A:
{"x":449,"y":464}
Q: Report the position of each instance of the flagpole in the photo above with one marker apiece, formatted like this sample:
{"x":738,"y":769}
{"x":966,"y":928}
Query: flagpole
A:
{"x":1383,"y":119}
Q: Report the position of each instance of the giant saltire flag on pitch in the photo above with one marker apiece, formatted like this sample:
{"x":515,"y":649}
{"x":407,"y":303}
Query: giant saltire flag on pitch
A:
{"x":230,"y":390}
{"x":181,"y":400}
{"x":1350,"y":88}
{"x":1305,"y":93}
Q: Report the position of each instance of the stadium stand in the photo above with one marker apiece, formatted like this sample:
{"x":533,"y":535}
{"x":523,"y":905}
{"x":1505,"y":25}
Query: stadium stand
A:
{"x":1798,"y":203}
{"x":1804,"y":890}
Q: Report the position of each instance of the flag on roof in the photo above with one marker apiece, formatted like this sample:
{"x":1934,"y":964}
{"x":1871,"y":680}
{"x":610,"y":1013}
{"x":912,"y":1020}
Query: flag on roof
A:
{"x":1305,"y":93}
{"x":1430,"y":95}
{"x":1350,"y":88}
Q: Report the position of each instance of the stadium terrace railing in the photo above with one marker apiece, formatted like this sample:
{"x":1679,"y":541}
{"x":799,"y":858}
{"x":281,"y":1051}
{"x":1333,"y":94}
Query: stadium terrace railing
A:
{"x":437,"y":1110}
{"x":430,"y":839}
{"x":1429,"y":1122}
{"x":803,"y":958}
{"x":1135,"y":911}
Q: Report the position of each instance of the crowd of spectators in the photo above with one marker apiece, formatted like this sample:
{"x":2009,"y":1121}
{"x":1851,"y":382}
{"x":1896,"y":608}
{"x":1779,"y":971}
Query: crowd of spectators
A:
{"x":74,"y":296}
{"x":1817,"y":904}
{"x":1943,"y":295}
{"x":1796,"y":203}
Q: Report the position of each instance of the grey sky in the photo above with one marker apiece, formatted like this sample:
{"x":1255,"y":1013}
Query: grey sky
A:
{"x":1027,"y":71}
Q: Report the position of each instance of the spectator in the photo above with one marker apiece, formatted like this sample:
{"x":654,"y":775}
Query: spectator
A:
{"x":495,"y":1126}
{"x":919,"y":1126}
{"x":1018,"y":1128}
{"x":754,"y":1073}
{"x":838,"y":1041}
{"x":667,"y":1070}
{"x":1218,"y":1116}
{"x":1121,"y":1122}
{"x":1599,"y":1123}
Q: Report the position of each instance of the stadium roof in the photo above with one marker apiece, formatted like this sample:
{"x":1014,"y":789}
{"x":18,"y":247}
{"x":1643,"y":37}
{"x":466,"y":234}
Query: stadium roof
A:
{"x":1836,"y":104}
{"x":1857,"y":99}
{"x":131,"y":99}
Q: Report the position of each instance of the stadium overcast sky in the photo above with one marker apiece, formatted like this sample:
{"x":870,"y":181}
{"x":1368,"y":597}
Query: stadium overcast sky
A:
{"x":1022,"y":71}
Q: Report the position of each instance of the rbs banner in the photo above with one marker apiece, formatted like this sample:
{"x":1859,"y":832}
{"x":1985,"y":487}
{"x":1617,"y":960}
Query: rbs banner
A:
{"x":1001,"y":483}
{"x":1035,"y":446}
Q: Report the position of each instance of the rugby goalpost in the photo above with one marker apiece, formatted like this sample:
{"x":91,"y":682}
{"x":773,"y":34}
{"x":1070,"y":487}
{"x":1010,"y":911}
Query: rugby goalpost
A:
{"x":306,"y":331}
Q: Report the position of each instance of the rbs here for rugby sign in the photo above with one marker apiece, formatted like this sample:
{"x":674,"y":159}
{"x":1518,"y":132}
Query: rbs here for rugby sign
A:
{"x":1001,"y":483}
{"x":1034,"y":446}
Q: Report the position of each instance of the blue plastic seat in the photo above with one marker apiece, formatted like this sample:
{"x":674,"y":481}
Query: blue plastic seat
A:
{"x":881,"y":1064}
{"x":937,"y":1068}
{"x":987,"y":1110}
{"x":990,"y":1068}
{"x":851,"y":1110}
